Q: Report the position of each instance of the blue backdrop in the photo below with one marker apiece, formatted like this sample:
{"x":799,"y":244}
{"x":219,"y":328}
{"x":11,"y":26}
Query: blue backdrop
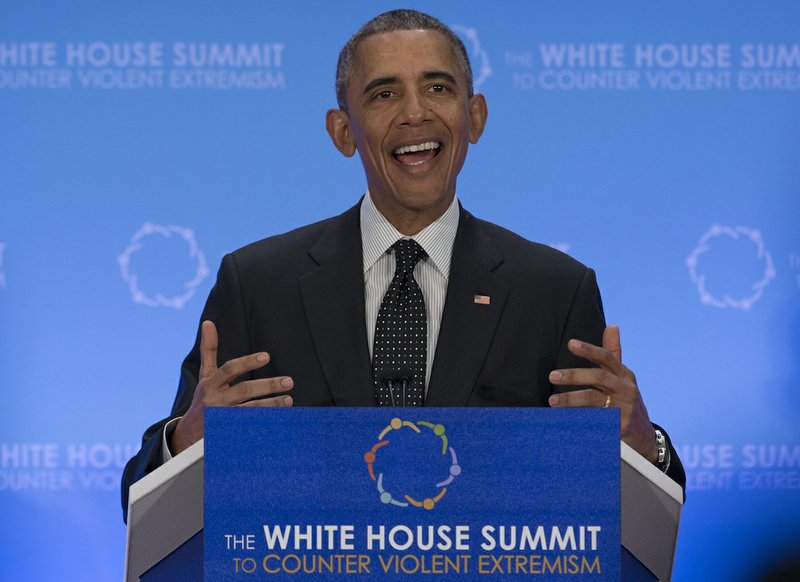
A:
{"x":139,"y":142}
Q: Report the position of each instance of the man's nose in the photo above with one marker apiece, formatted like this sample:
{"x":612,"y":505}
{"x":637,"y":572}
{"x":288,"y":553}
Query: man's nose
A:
{"x":415,"y":110}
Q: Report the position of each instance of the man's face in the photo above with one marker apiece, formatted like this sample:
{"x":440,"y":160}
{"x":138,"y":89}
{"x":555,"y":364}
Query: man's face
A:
{"x":409,"y":117}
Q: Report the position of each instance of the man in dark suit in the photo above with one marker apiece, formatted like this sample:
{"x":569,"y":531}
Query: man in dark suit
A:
{"x":509,"y":322}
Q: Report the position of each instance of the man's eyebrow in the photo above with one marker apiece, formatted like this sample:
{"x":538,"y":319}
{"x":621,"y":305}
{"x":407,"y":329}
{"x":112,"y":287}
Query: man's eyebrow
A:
{"x":379,"y":82}
{"x":439,"y":75}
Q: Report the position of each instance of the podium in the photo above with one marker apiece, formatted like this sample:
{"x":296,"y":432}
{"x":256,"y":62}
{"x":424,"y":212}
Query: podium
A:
{"x":166,"y":508}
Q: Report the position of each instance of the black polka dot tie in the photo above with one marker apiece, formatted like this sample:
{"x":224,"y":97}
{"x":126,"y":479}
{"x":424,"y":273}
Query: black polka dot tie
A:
{"x":401,"y":334}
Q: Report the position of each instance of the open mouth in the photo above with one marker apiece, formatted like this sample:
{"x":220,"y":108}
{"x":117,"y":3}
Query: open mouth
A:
{"x":416,"y":154}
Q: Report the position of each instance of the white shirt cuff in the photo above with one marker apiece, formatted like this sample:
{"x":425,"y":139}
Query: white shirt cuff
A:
{"x":166,"y":455}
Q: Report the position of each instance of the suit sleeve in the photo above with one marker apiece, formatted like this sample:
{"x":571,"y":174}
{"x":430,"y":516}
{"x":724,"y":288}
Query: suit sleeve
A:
{"x":225,"y":307}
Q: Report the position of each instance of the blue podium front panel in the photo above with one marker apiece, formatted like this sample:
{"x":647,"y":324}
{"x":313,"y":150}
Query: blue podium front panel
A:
{"x":396,"y":493}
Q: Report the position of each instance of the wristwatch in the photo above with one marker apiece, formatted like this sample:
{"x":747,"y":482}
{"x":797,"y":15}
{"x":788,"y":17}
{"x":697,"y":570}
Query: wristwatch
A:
{"x":663,"y":451}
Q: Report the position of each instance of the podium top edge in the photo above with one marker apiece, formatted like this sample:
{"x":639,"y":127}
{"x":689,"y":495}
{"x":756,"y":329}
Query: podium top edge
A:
{"x":166,"y":472}
{"x":650,"y":472}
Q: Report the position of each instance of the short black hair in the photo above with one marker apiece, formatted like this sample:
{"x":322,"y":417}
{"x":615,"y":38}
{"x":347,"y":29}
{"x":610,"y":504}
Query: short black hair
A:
{"x":388,"y":22}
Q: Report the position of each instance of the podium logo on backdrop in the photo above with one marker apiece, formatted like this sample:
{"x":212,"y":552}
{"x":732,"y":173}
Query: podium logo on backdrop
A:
{"x":730,"y":267}
{"x":415,"y":461}
{"x":163,"y":265}
{"x":479,"y":58}
{"x":2,"y":272}
{"x":142,"y":65}
{"x":662,"y":66}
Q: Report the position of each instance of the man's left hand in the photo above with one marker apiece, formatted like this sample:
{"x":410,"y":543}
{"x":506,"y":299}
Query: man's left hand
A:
{"x":614,"y":385}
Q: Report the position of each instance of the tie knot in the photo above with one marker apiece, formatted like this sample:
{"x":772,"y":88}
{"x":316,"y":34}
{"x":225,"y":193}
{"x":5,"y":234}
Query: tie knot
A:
{"x":407,"y":253}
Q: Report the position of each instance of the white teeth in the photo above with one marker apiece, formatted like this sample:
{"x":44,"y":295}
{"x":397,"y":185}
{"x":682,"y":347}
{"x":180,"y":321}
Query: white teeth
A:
{"x":428,"y":145}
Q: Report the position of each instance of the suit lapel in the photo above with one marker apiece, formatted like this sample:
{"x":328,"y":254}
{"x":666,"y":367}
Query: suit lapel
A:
{"x":333,"y":297}
{"x":467,"y":327}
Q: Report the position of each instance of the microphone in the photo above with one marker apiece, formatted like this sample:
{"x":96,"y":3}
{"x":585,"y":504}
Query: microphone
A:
{"x":387,"y":381}
{"x":406,"y":379}
{"x":390,"y":379}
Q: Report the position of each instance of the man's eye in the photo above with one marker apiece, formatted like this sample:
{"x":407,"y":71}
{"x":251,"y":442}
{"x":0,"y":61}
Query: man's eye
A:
{"x":438,"y":88}
{"x":383,"y":95}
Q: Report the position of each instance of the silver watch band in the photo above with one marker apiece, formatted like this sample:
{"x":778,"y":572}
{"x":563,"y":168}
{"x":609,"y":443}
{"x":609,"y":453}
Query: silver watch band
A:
{"x":663,"y":451}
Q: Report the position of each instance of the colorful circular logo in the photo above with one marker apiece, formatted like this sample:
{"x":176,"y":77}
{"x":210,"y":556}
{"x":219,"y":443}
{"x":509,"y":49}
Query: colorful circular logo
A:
{"x":404,"y":499}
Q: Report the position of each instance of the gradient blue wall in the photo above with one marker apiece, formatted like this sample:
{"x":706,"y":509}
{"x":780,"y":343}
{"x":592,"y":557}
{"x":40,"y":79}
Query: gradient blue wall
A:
{"x":122,"y":184}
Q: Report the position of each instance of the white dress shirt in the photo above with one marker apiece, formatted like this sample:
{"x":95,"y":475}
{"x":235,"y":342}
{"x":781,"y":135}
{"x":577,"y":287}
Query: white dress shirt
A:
{"x":431,"y":273}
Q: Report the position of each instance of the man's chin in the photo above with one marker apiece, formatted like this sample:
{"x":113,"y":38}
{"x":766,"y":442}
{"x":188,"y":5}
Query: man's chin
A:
{"x":422,"y":196}
{"x":420,"y":207}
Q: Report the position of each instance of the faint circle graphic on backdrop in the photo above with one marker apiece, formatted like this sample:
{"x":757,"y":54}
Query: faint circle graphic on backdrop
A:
{"x":765,"y":269}
{"x":481,"y":69}
{"x":2,"y":273}
{"x":193,"y":254}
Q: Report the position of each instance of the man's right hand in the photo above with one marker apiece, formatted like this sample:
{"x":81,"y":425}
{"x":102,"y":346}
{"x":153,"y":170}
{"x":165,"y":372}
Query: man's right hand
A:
{"x":214,"y":388}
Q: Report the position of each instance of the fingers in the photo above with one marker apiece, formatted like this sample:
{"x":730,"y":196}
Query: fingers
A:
{"x":611,"y":341}
{"x":603,"y":357}
{"x":611,"y":377}
{"x":208,"y":348}
{"x":278,"y":401}
{"x":598,"y":377}
{"x":232,"y":369}
{"x":588,"y":398}
{"x":243,"y":392}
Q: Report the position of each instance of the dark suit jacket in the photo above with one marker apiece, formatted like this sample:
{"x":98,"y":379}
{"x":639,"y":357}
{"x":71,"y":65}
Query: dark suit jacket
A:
{"x":300,"y":297}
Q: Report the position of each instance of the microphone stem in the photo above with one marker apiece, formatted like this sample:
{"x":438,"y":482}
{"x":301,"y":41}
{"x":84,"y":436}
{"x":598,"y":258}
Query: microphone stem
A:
{"x":390,"y":383}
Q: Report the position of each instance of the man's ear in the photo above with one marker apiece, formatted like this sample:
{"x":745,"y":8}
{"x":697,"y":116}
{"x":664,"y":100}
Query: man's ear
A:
{"x":478,"y":112}
{"x":337,"y":122}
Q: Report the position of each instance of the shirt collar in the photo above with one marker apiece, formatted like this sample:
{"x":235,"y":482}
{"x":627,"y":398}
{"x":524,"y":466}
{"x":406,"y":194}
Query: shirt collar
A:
{"x":378,"y":235}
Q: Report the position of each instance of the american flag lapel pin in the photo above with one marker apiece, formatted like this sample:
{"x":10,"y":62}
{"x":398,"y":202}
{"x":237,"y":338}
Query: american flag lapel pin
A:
{"x":481,"y":300}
